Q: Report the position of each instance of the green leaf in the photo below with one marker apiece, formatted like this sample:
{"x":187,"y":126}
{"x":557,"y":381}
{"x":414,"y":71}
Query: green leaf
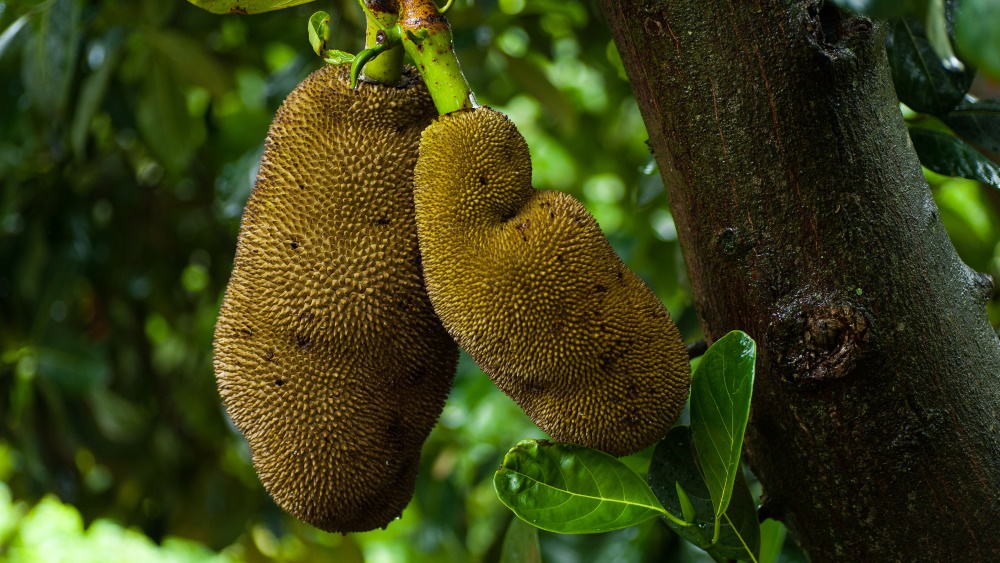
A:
{"x":92,"y":93}
{"x":880,"y":8}
{"x":721,"y":389}
{"x":673,"y":468}
{"x":11,"y":33}
{"x":319,"y":31}
{"x":977,"y":122}
{"x":687,"y":509}
{"x":164,"y":121}
{"x":977,"y":34}
{"x":51,"y":56}
{"x":190,"y":61}
{"x":571,"y":489}
{"x":950,"y":156}
{"x":245,"y":6}
{"x":772,"y":539}
{"x":520,"y":543}
{"x":937,"y":35}
{"x":923,"y":82}
{"x":335,"y":57}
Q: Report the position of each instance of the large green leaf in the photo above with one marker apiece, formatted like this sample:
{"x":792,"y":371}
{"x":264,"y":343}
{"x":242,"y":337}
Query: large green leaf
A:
{"x":950,"y":156}
{"x":977,"y":34}
{"x":246,"y":6}
{"x":672,"y":469}
{"x":922,"y":80}
{"x":721,"y":389}
{"x":520,"y":543}
{"x":571,"y":489}
{"x":977,"y":122}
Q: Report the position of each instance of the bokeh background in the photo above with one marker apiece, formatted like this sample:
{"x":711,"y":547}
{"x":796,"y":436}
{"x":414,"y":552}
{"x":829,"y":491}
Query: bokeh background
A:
{"x":129,"y":137}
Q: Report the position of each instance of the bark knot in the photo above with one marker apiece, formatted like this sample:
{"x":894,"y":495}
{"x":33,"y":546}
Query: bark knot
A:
{"x":817,"y":339}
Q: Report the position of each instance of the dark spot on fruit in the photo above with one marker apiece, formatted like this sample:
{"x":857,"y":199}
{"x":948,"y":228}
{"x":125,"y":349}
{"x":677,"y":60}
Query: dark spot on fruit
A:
{"x":600,"y":288}
{"x":247,"y":332}
{"x":533,"y":389}
{"x":382,"y":221}
{"x":294,"y":244}
{"x":482,"y":180}
{"x":302,"y":341}
{"x":560,"y":258}
{"x":279,"y":382}
{"x":621,"y":275}
{"x":397,"y":433}
{"x":269,"y":356}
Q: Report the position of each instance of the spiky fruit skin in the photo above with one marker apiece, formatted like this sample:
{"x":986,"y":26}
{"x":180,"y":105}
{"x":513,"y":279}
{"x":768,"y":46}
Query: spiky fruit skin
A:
{"x":527,"y":283}
{"x":328,"y":355}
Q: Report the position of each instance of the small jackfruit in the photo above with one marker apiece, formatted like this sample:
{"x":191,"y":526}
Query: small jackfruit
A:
{"x":328,"y":356}
{"x":526,"y":282}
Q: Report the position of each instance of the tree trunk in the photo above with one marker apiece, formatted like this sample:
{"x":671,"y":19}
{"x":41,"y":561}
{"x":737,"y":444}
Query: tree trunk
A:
{"x":806,"y":222}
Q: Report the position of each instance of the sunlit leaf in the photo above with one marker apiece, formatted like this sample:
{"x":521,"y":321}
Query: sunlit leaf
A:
{"x":571,"y":489}
{"x":950,"y":156}
{"x":246,"y":6}
{"x":721,"y":389}
{"x":923,"y":82}
{"x":335,"y":57}
{"x":319,"y":31}
{"x":977,"y":34}
{"x":520,"y":543}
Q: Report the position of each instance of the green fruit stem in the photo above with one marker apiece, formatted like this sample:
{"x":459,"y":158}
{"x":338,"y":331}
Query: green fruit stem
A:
{"x":387,"y":66}
{"x":426,"y":37}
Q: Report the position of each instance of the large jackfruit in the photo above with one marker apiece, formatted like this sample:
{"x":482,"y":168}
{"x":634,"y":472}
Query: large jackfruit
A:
{"x":527,"y":283}
{"x":328,"y":355}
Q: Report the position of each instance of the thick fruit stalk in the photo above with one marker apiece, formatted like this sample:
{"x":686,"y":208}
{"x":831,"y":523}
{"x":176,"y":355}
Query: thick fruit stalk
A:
{"x":525,"y":280}
{"x":328,"y":355}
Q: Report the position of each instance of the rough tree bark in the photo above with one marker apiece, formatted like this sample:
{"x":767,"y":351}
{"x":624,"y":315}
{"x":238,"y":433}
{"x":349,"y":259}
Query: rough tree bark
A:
{"x":805,"y":221}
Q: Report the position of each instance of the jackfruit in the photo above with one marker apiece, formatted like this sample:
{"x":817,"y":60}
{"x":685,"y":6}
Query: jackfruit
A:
{"x":328,"y":356}
{"x":526,"y":282}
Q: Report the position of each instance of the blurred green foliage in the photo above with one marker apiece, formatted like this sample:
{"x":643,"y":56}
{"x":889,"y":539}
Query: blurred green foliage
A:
{"x":129,"y":137}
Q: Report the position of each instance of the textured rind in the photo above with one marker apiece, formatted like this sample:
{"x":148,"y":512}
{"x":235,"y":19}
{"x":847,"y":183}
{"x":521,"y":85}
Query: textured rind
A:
{"x":328,"y":355}
{"x":527,"y":283}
